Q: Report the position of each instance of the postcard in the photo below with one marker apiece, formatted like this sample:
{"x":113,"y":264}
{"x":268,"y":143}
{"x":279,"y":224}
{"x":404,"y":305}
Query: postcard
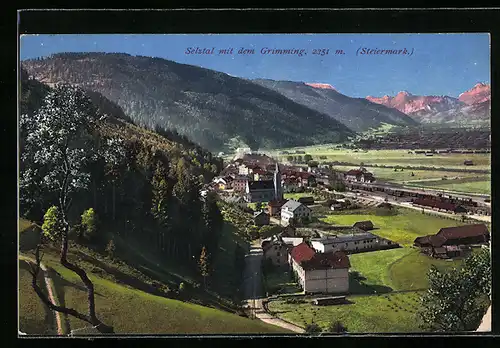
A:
{"x":254,"y":184}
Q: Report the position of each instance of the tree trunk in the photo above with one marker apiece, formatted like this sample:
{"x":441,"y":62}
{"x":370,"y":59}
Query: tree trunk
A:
{"x":85,"y":279}
{"x":114,"y":201}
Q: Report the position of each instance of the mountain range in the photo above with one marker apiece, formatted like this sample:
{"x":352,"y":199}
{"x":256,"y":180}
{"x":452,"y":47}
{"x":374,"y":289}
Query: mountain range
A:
{"x":472,"y":106}
{"x":220,"y":112}
{"x":358,"y":114}
{"x":212,"y":108}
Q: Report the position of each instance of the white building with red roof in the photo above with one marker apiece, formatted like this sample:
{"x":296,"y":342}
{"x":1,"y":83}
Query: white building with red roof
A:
{"x":320,"y":272}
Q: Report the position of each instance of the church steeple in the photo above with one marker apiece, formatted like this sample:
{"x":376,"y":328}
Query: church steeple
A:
{"x":278,"y":194}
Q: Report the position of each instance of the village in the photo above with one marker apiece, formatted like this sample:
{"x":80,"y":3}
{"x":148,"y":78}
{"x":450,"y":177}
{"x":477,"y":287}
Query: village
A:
{"x":311,"y":257}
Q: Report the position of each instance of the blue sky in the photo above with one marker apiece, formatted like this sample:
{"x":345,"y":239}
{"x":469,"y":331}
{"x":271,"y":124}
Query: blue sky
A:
{"x":441,"y":64}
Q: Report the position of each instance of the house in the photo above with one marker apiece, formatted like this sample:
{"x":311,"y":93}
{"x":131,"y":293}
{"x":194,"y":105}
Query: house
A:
{"x":468,"y":163}
{"x":336,"y":205}
{"x":261,"y":174}
{"x":306,"y":179}
{"x":276,"y":250}
{"x":235,"y":200}
{"x":239,"y":183}
{"x":225,"y":183}
{"x":320,"y":272}
{"x":364,"y":225}
{"x":260,"y":218}
{"x":458,"y":237}
{"x":294,"y":210}
{"x":290,"y":185}
{"x":347,"y":243}
{"x":274,"y":207}
{"x":247,"y":169}
{"x":359,"y":175}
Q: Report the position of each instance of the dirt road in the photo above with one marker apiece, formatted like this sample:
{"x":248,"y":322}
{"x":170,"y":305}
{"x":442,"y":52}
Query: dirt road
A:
{"x":252,"y":287}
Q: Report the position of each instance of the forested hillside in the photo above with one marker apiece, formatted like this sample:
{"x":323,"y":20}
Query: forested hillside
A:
{"x":358,"y":114}
{"x":209,"y":107}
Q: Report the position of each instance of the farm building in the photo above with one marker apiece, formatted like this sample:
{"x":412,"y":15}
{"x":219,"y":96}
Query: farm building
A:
{"x":451,"y":241}
{"x":294,"y":210}
{"x":260,"y":218}
{"x":320,"y":272}
{"x":364,"y":225}
{"x":351,"y":243}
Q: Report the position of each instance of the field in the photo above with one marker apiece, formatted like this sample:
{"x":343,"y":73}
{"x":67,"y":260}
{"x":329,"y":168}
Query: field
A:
{"x":297,"y":195}
{"x":389,"y":175}
{"x":478,"y":185}
{"x":402,"y":228}
{"x":396,"y":269}
{"x":364,"y":314}
{"x":390,"y":157}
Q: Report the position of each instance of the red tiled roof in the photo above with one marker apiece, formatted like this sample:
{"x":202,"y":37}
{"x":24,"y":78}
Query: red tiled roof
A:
{"x":354,"y":172}
{"x":302,"y":252}
{"x":275,"y":203}
{"x":475,"y":230}
{"x":327,"y":260}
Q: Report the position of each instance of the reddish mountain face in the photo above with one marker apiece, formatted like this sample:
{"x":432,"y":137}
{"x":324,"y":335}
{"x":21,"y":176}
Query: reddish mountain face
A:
{"x":480,"y":93}
{"x":471,"y":106}
{"x":409,"y":103}
{"x":320,"y":85}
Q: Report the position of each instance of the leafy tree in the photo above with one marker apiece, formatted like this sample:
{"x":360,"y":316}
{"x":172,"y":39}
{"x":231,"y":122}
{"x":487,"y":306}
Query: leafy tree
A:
{"x":90,"y":224}
{"x":204,"y":265}
{"x":336,"y":327}
{"x":290,"y":159}
{"x":299,"y":159}
{"x":313,"y":329}
{"x":258,"y":206}
{"x":313,"y":164}
{"x":457,"y":299}
{"x":60,"y":145}
{"x":53,"y":226}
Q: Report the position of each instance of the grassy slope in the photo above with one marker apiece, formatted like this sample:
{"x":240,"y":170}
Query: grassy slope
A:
{"x":35,"y":317}
{"x":132,"y":311}
{"x":126,"y":299}
{"x":402,"y":228}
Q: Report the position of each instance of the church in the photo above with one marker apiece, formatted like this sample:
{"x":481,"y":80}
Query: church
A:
{"x":265,"y":190}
